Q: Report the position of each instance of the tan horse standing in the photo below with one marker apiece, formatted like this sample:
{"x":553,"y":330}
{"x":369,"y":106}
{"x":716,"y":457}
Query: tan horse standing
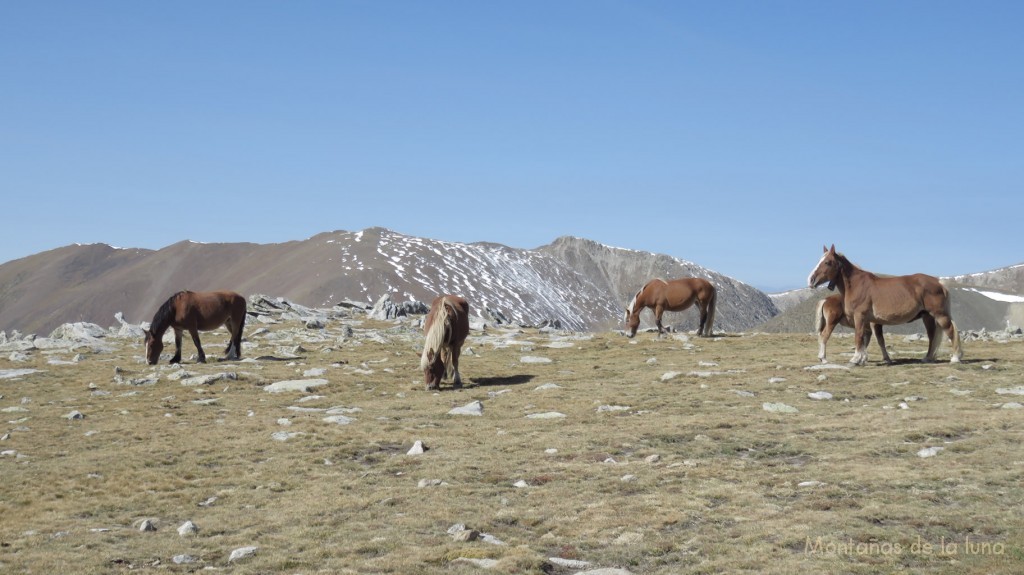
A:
{"x":829,"y":314}
{"x":195,"y":312}
{"x":445,"y":328}
{"x":895,"y":300}
{"x":673,"y":295}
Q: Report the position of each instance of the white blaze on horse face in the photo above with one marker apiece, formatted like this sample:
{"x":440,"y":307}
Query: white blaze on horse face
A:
{"x":810,"y":278}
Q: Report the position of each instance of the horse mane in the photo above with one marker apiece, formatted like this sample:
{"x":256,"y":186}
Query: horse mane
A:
{"x":164,"y":315}
{"x":435,"y":337}
{"x":632,"y":303}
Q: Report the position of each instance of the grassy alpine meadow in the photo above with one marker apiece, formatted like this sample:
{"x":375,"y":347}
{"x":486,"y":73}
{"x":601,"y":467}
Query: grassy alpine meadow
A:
{"x":653,"y":455}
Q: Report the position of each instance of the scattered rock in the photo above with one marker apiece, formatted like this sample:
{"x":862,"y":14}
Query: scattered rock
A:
{"x":534,"y":359}
{"x":303,"y":385}
{"x":472,"y":408}
{"x":242,"y":553}
{"x":208,"y":379}
{"x":779,"y":408}
{"x":546,"y":415}
{"x":929,"y":451}
{"x":825,"y":366}
{"x":188,"y":528}
{"x":820,"y":395}
{"x":339,"y":419}
{"x":417,"y":448}
{"x":569,"y":563}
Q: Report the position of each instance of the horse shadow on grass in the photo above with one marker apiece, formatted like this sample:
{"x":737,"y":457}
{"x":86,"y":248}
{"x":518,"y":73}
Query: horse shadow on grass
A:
{"x":501,"y":381}
{"x":938,"y":361}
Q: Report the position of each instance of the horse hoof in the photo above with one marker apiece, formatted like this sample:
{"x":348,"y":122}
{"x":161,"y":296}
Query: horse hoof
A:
{"x":954,"y":359}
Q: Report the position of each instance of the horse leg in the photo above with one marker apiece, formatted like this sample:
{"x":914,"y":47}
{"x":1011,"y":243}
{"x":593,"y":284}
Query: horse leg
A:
{"x":877,"y":327}
{"x":231,"y":338}
{"x":861,"y":330}
{"x":234,"y":350}
{"x":658,"y":310}
{"x":933,"y":337}
{"x":195,"y":339}
{"x":823,"y":339}
{"x":703,"y":307}
{"x":456,"y":351}
{"x":177,"y":346}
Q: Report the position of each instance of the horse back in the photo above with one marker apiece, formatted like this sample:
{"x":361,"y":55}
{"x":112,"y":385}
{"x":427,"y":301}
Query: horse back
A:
{"x":457,"y":310}
{"x":684,"y":290}
{"x":210,"y":310}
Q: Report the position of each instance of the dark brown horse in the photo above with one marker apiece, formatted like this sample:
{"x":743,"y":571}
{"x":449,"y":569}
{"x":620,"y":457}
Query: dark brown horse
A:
{"x":445,"y":328}
{"x":829,"y":314}
{"x":195,"y":312}
{"x":869,"y":299}
{"x":673,"y":295}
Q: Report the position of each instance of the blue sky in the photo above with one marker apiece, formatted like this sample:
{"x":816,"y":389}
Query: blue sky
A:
{"x":738,"y":135}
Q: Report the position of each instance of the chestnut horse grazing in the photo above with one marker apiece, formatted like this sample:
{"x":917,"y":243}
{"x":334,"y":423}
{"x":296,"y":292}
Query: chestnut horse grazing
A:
{"x":673,"y":295}
{"x":868,"y":299}
{"x":829,"y":314}
{"x":445,"y":328}
{"x":195,"y":311}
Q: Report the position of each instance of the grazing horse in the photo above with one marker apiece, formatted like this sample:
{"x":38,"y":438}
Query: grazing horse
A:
{"x":673,"y":295}
{"x":195,"y":311}
{"x":868,"y":299}
{"x":445,"y":327}
{"x":829,"y":314}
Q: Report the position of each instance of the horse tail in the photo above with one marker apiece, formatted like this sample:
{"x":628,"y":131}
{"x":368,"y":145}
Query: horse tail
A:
{"x":236,"y":338}
{"x":819,"y":317}
{"x":435,"y":338}
{"x":711,"y":311}
{"x":958,"y":353}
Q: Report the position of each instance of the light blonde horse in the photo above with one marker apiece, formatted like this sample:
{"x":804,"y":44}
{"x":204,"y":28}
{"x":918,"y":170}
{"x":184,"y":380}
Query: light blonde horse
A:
{"x":829,"y":314}
{"x":445,"y":329}
{"x":673,"y":295}
{"x":868,"y":299}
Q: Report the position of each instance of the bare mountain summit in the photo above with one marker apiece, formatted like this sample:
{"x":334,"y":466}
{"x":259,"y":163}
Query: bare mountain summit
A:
{"x":580,"y":284}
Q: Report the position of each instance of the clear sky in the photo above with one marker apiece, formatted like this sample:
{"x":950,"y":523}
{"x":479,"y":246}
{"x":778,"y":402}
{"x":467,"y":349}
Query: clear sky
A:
{"x":740,"y":135}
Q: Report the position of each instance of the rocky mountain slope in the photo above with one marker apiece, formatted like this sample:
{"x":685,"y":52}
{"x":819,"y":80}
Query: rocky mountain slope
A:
{"x":575,"y":283}
{"x":580,"y":284}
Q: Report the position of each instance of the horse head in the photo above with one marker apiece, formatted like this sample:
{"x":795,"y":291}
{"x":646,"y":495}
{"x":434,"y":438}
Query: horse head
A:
{"x":829,"y":268}
{"x":154,"y":345}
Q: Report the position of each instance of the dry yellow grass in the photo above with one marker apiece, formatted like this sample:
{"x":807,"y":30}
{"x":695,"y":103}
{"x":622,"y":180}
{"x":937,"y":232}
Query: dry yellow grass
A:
{"x":723,"y":493}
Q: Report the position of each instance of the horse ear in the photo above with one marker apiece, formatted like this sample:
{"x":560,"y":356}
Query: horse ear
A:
{"x":824,"y":250}
{"x":833,"y":249}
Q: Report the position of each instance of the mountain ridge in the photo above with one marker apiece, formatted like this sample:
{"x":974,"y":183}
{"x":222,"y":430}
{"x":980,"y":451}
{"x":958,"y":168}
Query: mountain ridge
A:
{"x":581,"y":284}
